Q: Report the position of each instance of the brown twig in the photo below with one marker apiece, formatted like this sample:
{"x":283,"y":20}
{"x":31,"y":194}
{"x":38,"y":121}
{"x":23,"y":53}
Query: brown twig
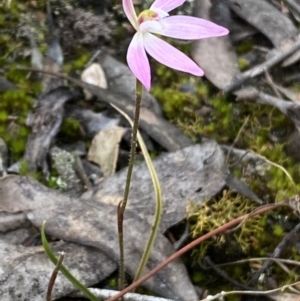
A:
{"x":239,"y":159}
{"x":220,"y":296}
{"x":290,"y":109}
{"x":252,"y":214}
{"x":79,"y":169}
{"x":237,"y":137}
{"x":248,"y":260}
{"x":272,"y":85}
{"x":182,"y":251}
{"x":224,"y":275}
{"x":239,"y":80}
{"x":275,"y":254}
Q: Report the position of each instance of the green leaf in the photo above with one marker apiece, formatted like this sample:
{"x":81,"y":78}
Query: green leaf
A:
{"x":158,"y":198}
{"x":63,"y":269}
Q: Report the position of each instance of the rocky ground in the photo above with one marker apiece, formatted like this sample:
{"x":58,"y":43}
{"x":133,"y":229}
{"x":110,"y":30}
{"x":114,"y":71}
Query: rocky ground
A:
{"x":223,"y":145}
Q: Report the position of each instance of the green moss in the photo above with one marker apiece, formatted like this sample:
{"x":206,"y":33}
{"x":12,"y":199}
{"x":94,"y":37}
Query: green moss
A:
{"x":25,"y":171}
{"x":14,"y":108}
{"x":224,"y":122}
{"x":113,"y":282}
{"x":244,"y":47}
{"x":17,"y":146}
{"x":81,"y":61}
{"x":24,"y":167}
{"x":216,"y":213}
{"x":52,"y":182}
{"x":253,"y":238}
{"x":77,"y":62}
{"x":198,"y":277}
{"x":16,"y":104}
{"x":178,"y":105}
{"x":278,"y":230}
{"x":71,"y":127}
{"x":3,"y":116}
{"x":243,"y":64}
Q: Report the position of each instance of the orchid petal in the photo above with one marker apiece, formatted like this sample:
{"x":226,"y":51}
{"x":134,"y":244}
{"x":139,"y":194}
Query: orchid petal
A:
{"x":137,"y":60}
{"x":130,"y":12}
{"x":166,"y":5}
{"x":188,"y":28}
{"x":170,"y":56}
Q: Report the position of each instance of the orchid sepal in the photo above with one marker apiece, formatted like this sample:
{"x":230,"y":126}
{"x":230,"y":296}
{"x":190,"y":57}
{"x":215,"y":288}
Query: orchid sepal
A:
{"x":156,"y":20}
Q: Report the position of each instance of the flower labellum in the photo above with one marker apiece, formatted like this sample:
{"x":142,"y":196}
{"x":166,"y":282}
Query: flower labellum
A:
{"x":156,"y":20}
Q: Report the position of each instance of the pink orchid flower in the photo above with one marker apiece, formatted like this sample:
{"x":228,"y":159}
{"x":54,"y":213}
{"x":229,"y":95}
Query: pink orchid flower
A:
{"x":157,"y":20}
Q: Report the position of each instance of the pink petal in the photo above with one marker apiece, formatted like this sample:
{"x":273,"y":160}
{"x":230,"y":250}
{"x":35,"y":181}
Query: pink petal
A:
{"x":189,"y":28}
{"x":130,"y":12}
{"x":137,"y":60}
{"x":166,"y":5}
{"x":170,"y":56}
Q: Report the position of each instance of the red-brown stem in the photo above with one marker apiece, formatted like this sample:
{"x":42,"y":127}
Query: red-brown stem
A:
{"x":120,"y":218}
{"x":53,"y":277}
{"x":219,"y":230}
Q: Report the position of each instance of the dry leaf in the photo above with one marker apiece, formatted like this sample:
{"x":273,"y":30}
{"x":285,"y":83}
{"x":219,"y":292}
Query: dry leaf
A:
{"x":94,"y":75}
{"x":105,"y":148}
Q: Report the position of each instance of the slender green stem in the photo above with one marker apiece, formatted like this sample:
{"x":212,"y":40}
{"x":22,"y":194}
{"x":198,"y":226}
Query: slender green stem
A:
{"x":123,"y":204}
{"x":158,"y":198}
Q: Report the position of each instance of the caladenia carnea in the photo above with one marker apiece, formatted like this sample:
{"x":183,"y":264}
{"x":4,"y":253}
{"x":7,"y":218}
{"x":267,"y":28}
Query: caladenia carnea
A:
{"x":156,"y":20}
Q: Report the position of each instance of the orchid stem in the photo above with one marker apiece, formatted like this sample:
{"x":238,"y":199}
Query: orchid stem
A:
{"x":123,"y":204}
